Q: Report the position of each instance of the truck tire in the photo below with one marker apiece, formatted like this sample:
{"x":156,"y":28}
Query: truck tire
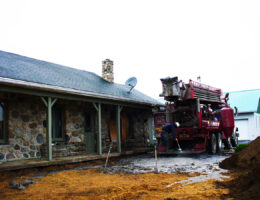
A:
{"x":219,"y":142}
{"x":227,"y":144}
{"x":212,"y":144}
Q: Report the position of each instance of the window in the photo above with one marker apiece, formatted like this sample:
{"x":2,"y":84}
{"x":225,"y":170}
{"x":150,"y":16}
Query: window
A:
{"x":3,"y":120}
{"x":88,"y":123}
{"x":58,"y":123}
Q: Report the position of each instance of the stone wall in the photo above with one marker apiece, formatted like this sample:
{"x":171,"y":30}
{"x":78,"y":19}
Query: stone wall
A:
{"x":74,"y":114}
{"x":25,"y":128}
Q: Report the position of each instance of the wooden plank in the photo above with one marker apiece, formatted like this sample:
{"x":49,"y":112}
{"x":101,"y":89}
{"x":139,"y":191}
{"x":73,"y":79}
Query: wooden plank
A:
{"x":118,"y":127}
{"x":112,"y":129}
{"x":49,"y":131}
{"x":99,"y":130}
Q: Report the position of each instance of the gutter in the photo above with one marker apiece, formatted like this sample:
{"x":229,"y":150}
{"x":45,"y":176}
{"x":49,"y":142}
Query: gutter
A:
{"x":58,"y":89}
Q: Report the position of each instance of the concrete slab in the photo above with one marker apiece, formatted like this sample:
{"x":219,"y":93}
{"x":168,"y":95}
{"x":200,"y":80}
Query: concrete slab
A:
{"x":41,"y":162}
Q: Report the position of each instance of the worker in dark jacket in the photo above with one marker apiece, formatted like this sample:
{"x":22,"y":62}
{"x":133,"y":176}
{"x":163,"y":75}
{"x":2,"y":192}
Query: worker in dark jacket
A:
{"x":166,"y":130}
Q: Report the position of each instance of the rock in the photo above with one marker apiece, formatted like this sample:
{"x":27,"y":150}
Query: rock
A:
{"x":2,"y":156}
{"x":75,"y":140}
{"x":34,"y":132}
{"x":33,"y":125}
{"x":23,"y":150}
{"x":25,"y":155}
{"x":20,"y":187}
{"x":15,"y":114}
{"x":76,"y":126}
{"x":39,"y":138}
{"x":26,"y":143}
{"x":32,"y":147}
{"x":82,"y":137}
{"x":29,"y":182}
{"x":11,"y":134}
{"x":75,"y":133}
{"x":32,"y":154}
{"x":16,"y":147}
{"x":10,"y":156}
{"x":4,"y":149}
{"x":25,"y":118}
{"x":38,"y":154}
{"x":14,"y":184}
{"x":75,"y":120}
{"x":34,"y":112}
{"x":67,"y":138}
{"x":18,"y":154}
{"x":25,"y":126}
{"x":19,"y":124}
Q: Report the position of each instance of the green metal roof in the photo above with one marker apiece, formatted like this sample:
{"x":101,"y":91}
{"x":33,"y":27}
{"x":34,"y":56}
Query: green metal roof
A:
{"x":245,"y":101}
{"x":29,"y":70}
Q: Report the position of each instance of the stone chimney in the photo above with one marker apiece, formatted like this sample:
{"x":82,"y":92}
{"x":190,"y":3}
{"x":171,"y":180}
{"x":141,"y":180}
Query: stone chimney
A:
{"x":107,"y":70}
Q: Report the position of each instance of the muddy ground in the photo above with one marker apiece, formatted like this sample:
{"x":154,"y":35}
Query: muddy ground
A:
{"x":181,"y":177}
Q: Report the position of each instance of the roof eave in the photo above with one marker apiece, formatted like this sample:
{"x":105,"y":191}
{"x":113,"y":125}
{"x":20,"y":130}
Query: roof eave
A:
{"x":58,"y":89}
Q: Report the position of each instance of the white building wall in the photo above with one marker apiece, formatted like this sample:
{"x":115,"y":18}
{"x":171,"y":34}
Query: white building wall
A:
{"x":256,"y":126}
{"x":248,"y":125}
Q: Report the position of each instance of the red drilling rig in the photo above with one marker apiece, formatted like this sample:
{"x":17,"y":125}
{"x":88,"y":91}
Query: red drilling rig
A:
{"x":205,"y":119}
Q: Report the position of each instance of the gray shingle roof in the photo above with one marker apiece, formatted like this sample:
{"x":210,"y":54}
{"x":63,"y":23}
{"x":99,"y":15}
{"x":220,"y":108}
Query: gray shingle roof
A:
{"x":18,"y":67}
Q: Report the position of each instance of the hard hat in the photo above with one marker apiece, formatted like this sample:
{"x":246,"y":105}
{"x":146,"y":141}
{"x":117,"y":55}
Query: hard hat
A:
{"x":177,"y":124}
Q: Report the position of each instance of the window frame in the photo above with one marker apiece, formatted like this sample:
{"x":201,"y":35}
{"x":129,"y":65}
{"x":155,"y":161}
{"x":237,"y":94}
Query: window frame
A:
{"x":63,"y":123}
{"x":4,"y":106}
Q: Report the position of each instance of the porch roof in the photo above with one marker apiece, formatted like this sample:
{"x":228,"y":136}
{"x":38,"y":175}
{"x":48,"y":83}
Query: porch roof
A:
{"x":17,"y":70}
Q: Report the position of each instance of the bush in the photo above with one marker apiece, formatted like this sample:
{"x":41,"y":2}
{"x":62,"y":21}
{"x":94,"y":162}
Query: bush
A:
{"x":240,"y":147}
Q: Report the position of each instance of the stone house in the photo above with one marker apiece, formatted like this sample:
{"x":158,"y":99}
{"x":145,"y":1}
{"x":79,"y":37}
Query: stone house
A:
{"x":49,"y":110}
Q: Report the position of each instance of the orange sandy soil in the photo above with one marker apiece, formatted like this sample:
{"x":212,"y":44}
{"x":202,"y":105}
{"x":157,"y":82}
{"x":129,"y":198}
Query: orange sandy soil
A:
{"x":94,"y":184}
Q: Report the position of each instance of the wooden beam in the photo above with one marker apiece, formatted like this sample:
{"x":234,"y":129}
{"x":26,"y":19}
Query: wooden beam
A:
{"x":118,"y":126}
{"x":95,"y":105}
{"x":21,"y":90}
{"x":49,"y":131}
{"x":53,"y":102}
{"x":99,"y":130}
{"x":49,"y":103}
{"x":44,"y":101}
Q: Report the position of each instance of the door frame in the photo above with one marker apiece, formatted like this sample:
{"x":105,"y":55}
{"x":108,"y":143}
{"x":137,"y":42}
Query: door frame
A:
{"x":54,"y":123}
{"x":90,"y":149}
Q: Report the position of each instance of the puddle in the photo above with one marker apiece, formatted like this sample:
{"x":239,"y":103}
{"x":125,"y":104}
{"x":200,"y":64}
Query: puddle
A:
{"x":181,"y":164}
{"x":217,"y":175}
{"x":204,"y":164}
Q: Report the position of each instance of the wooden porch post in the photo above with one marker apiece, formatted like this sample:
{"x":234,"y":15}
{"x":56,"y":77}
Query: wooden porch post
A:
{"x":118,"y":126}
{"x":99,"y":142}
{"x":49,"y":105}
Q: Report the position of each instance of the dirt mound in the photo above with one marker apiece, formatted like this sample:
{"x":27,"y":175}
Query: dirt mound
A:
{"x":246,"y":165}
{"x":249,"y":157}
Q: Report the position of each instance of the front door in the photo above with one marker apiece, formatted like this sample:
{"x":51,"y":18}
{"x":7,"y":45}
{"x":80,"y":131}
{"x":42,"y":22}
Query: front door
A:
{"x":90,"y":134}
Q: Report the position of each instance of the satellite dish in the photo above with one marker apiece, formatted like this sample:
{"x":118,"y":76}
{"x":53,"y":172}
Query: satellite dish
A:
{"x":131,"y":82}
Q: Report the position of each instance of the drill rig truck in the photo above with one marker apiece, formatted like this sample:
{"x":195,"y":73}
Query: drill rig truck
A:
{"x":205,"y":119}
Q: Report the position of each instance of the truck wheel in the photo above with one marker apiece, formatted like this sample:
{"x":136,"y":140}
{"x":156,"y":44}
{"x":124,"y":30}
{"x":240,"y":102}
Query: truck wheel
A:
{"x":219,"y":142}
{"x":227,"y":144}
{"x":212,"y":144}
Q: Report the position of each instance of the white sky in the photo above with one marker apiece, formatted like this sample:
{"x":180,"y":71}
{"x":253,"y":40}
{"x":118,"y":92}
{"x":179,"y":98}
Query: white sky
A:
{"x":148,"y":39}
